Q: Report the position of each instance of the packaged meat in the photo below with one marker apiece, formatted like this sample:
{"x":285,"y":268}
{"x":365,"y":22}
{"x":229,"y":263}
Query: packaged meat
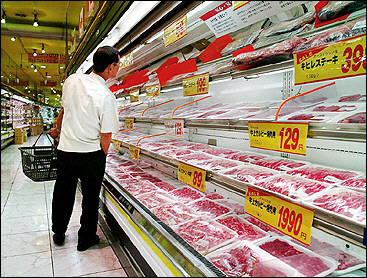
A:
{"x":292,"y":186}
{"x":240,"y":42}
{"x":323,"y":174}
{"x":196,"y":157}
{"x":299,"y":116}
{"x":218,"y":151}
{"x":265,"y":227}
{"x":341,"y":202}
{"x":356,"y":97}
{"x":248,"y":173}
{"x":237,"y":207}
{"x":176,"y":153}
{"x":306,"y":262}
{"x":244,"y":229}
{"x":155,"y":199}
{"x":354,"y":183}
{"x":209,"y":208}
{"x":335,"y":9}
{"x":213,"y":196}
{"x":335,"y":108}
{"x":186,"y":194}
{"x":269,"y":114}
{"x":165,"y":186}
{"x":205,"y":234}
{"x":245,"y":156}
{"x":140,"y":187}
{"x":359,"y":118}
{"x":244,"y":259}
{"x":174,"y":214}
{"x":269,"y":55}
{"x":279,"y":164}
{"x":218,"y":164}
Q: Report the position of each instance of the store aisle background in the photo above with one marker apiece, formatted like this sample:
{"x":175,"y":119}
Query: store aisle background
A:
{"x":27,"y":248}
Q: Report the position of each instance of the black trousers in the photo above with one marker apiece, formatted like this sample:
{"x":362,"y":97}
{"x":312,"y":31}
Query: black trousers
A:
{"x":89,"y":168}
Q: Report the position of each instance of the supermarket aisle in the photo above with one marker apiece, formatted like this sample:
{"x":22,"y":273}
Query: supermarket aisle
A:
{"x":27,"y":248}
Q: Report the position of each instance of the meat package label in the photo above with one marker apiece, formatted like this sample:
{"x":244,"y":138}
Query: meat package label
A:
{"x":196,"y":85}
{"x":191,"y":175}
{"x":174,"y":127}
{"x":134,"y":152}
{"x":116,"y":145}
{"x":176,"y":31}
{"x":288,"y":137}
{"x":289,"y":218}
{"x":345,"y":58}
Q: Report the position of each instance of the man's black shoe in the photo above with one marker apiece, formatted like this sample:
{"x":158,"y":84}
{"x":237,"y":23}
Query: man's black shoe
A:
{"x":84,"y":244}
{"x":59,"y":239}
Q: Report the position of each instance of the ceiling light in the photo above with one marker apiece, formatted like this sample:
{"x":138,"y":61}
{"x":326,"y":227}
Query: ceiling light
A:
{"x":35,"y":69}
{"x":43,"y":67}
{"x":32,"y":66}
{"x":34,"y":53}
{"x":3,"y":17}
{"x":43,"y":48}
{"x":13,"y":39}
{"x":35,"y":21}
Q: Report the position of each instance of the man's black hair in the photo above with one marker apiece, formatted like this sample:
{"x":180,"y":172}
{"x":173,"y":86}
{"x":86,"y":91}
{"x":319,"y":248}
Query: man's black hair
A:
{"x":103,"y":57}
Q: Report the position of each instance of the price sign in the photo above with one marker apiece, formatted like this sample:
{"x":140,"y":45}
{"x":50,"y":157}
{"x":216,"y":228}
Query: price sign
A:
{"x":153,"y":91}
{"x":134,"y":96}
{"x":192,"y":176}
{"x":176,"y":31}
{"x":116,"y":145}
{"x":279,"y":136}
{"x":332,"y":61}
{"x":129,"y":123}
{"x":174,"y":127}
{"x":134,"y":152}
{"x":127,"y":60}
{"x":289,"y":218}
{"x":196,"y":85}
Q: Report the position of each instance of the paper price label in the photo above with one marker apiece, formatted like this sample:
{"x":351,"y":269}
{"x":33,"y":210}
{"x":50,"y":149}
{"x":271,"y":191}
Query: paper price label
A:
{"x":192,"y":176}
{"x":153,"y":91}
{"x":279,"y":136}
{"x":116,"y":145}
{"x":174,"y":127}
{"x":289,"y":218}
{"x":129,"y":123}
{"x":176,"y":31}
{"x":134,"y":152}
{"x":134,"y":96}
{"x":196,"y":85}
{"x":332,"y":61}
{"x":127,"y":60}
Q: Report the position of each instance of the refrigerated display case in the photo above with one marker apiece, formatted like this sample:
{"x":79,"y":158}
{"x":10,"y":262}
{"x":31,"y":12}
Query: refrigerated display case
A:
{"x":172,"y":229}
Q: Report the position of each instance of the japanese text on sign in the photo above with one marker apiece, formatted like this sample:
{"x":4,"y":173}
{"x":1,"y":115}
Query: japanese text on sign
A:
{"x":279,"y":136}
{"x":192,"y":176}
{"x":289,"y":218}
{"x":338,"y":60}
{"x":134,"y":152}
{"x":174,"y":127}
{"x":176,"y":31}
{"x":129,"y":123}
{"x":196,"y":85}
{"x":153,"y":91}
{"x":116,"y":145}
{"x":127,"y":60}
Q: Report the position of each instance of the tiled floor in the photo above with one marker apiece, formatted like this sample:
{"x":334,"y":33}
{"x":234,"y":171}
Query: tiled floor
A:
{"x":27,"y":248}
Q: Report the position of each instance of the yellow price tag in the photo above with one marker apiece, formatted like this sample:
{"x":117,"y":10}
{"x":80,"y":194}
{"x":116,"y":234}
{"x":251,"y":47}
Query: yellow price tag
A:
{"x":192,"y":176}
{"x":134,"y":96}
{"x":129,"y":123}
{"x":127,"y":60}
{"x":332,"y":61}
{"x":116,"y":145}
{"x":176,"y":31}
{"x":153,"y":91}
{"x":134,"y":152}
{"x":196,"y":85}
{"x":289,"y":218}
{"x":279,"y":136}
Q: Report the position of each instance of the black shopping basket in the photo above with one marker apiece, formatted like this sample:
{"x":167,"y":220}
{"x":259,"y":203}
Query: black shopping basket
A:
{"x":39,"y":162}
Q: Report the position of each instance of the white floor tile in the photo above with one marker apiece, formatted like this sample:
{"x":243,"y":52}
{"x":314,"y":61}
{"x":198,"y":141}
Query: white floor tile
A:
{"x":112,"y":273}
{"x":24,"y":209}
{"x":34,"y":223}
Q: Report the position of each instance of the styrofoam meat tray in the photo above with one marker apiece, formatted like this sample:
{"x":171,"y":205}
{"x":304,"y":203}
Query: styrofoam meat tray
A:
{"x":351,"y":184}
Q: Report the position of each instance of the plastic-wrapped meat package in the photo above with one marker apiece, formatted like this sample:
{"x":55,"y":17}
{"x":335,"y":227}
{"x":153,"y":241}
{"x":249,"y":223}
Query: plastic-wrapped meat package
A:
{"x":335,"y":108}
{"x":269,"y":55}
{"x":244,"y":259}
{"x":197,"y":157}
{"x":308,"y":117}
{"x":182,"y":143}
{"x":324,"y":174}
{"x":209,"y":208}
{"x":245,"y":156}
{"x":342,"y":202}
{"x":218,"y":164}
{"x":237,"y":207}
{"x":335,"y":9}
{"x":176,"y":153}
{"x":163,"y":148}
{"x":213,"y":196}
{"x":186,"y":194}
{"x":244,"y":229}
{"x":291,"y":186}
{"x":205,"y":234}
{"x":236,"y":113}
{"x":359,"y":118}
{"x":269,"y":114}
{"x":248,"y":173}
{"x":155,"y":199}
{"x":355,"y":183}
{"x":174,"y":214}
{"x":263,"y":226}
{"x":221,"y":68}
{"x":165,"y":186}
{"x":140,"y":187}
{"x":279,"y":164}
{"x":208,"y":114}
{"x":356,"y":97}
{"x":306,"y":262}
{"x":241,"y":42}
{"x":218,"y":151}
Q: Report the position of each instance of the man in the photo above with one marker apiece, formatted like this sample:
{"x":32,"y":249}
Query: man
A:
{"x":85,"y":123}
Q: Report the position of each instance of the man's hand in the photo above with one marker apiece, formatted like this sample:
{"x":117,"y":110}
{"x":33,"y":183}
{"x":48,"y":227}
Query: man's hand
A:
{"x":54,"y":132}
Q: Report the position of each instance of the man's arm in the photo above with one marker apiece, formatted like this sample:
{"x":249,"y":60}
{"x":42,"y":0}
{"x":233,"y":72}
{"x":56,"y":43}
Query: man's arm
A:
{"x":106,"y":141}
{"x":55,"y":131}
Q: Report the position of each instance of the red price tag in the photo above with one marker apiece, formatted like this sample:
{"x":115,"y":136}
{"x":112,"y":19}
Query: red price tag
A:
{"x":178,"y":129}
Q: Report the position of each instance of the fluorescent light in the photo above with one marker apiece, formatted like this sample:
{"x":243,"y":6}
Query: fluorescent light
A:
{"x":42,"y":67}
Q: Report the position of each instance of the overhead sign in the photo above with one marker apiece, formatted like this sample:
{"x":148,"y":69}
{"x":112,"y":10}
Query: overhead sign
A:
{"x":196,"y":85}
{"x":48,"y":84}
{"x":176,"y":31}
{"x":332,"y":61}
{"x":46,"y":58}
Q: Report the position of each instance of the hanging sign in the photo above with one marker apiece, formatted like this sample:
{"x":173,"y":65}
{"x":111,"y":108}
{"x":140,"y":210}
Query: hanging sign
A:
{"x":81,"y":22}
{"x":134,"y":152}
{"x":289,"y":218}
{"x":90,"y":8}
{"x":192,"y":176}
{"x":73,"y":41}
{"x":279,"y":136}
{"x":230,"y":17}
{"x":174,"y":127}
{"x":153,"y":91}
{"x":127,"y":60}
{"x":46,"y":58}
{"x":116,"y":145}
{"x":176,"y":31}
{"x":196,"y":85}
{"x":134,"y":96}
{"x":332,"y":61}
{"x":129,"y":123}
{"x":48,"y":84}
{"x":18,"y":83}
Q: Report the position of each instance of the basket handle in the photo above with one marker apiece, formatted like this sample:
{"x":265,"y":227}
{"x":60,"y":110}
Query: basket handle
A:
{"x":47,"y":138}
